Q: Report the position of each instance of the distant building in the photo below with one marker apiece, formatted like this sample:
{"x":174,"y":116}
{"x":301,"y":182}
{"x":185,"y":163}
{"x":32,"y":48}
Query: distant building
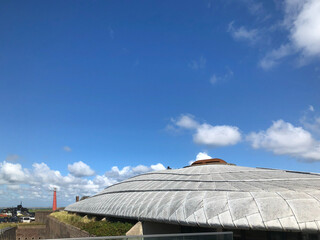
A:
{"x":13,"y":214}
{"x":211,"y":195}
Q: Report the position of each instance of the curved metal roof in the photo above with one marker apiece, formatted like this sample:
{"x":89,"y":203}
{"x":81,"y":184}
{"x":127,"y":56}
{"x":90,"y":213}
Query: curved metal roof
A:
{"x":216,"y":196}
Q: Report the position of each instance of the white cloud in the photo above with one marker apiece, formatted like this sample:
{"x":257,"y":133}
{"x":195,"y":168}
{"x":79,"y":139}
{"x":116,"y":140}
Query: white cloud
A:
{"x":206,"y":134}
{"x":186,"y":121}
{"x":311,"y":120}
{"x":157,"y":167}
{"x":273,"y":57}
{"x":305,"y":32}
{"x":11,"y":173}
{"x":242,"y":33}
{"x":67,"y":149}
{"x":311,"y":108}
{"x":36,"y":184}
{"x":217,"y":136}
{"x":282,"y":138}
{"x":200,"y":156}
{"x":302,"y":21}
{"x":198,"y":64}
{"x":127,"y":172}
{"x":312,"y":124}
{"x":80,"y":169}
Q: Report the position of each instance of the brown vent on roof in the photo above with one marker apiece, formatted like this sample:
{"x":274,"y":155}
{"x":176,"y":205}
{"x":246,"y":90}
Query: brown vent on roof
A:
{"x":209,"y":161}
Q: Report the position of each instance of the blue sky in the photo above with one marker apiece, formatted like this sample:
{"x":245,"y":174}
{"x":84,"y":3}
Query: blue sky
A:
{"x":91,"y":85}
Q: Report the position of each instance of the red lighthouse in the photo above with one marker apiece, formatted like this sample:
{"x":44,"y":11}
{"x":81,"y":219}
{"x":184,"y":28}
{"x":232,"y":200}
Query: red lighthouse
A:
{"x":54,"y":205}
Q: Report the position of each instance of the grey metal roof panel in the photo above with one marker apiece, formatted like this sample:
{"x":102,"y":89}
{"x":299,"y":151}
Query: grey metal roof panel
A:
{"x":214,"y":196}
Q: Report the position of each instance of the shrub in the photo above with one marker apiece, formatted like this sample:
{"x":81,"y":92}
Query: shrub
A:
{"x":98,"y":228}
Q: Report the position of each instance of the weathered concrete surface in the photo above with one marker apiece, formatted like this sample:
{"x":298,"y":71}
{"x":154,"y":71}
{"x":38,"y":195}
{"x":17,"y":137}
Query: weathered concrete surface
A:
{"x":8,"y":233}
{"x":41,"y":216}
{"x":31,"y":232}
{"x":216,"y":196}
{"x":57,"y":229}
{"x":136,"y":230}
{"x":146,"y":228}
{"x":159,"y":228}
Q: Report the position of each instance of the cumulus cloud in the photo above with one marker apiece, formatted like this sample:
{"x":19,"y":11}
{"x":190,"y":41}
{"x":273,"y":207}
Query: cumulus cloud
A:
{"x":187,"y":121}
{"x":200,"y":156}
{"x":206,"y":134}
{"x":80,"y":169}
{"x":305,"y":31}
{"x":243,"y":33}
{"x":37,"y":182}
{"x":217,"y":136}
{"x":302,"y":21}
{"x":282,"y":138}
{"x":11,"y":173}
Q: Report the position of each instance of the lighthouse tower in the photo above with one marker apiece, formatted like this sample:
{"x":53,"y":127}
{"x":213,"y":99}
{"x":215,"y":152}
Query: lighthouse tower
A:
{"x":54,"y":205}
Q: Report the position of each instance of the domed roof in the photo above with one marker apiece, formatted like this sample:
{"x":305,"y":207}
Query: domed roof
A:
{"x":216,"y":196}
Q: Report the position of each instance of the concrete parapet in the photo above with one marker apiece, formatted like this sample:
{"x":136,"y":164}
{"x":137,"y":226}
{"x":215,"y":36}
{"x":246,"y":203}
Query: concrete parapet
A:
{"x":31,"y":232}
{"x":146,"y":228}
{"x":136,"y":230}
{"x":41,"y":216}
{"x":57,"y":229}
{"x":8,"y":233}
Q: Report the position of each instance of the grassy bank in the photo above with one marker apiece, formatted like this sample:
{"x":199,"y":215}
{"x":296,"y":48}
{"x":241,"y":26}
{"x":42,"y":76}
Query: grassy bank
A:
{"x":98,"y":228}
{"x":5,"y":225}
{"x":40,"y":210}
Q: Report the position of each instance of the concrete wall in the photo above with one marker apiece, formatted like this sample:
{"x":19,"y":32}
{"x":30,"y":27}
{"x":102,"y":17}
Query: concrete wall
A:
{"x":52,"y":228}
{"x":41,"y":216}
{"x":57,"y":229}
{"x":159,"y":228}
{"x":31,"y":232}
{"x":136,"y":230}
{"x":8,"y":233}
{"x":147,"y":228}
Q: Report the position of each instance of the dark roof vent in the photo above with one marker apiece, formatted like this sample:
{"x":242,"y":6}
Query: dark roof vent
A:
{"x":209,"y":161}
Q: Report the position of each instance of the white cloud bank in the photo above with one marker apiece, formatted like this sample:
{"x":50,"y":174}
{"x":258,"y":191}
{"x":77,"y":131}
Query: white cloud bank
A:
{"x":127,"y":172}
{"x":302,"y":21}
{"x":35,"y":184}
{"x":206,"y":134}
{"x":282,"y":138}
